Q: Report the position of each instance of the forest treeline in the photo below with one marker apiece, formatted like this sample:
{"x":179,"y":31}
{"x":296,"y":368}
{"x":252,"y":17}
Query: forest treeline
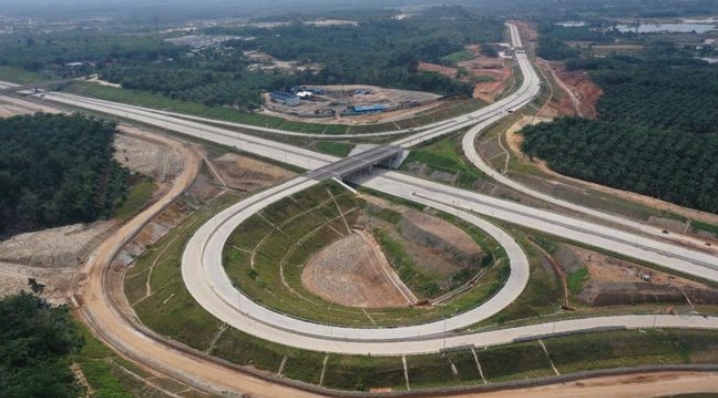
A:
{"x":37,"y":343}
{"x":378,"y":51}
{"x":661,"y":95}
{"x":676,"y":166}
{"x":656,"y":133}
{"x":57,"y":170}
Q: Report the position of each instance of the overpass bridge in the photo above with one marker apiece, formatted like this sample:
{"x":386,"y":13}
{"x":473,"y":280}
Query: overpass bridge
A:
{"x":31,"y":88}
{"x":386,"y":155}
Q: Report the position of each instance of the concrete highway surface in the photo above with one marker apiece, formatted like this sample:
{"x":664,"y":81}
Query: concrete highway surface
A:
{"x":206,"y":280}
{"x":209,"y":284}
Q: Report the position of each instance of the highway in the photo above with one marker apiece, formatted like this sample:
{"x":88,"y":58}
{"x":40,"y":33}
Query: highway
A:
{"x":690,"y":261}
{"x":207,"y":281}
{"x":204,"y":275}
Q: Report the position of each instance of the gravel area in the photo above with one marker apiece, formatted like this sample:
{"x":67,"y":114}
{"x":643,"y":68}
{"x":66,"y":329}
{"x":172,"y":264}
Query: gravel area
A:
{"x":350,"y":272}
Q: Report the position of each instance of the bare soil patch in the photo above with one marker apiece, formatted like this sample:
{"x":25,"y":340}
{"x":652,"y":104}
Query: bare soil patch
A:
{"x":438,"y":248}
{"x":13,"y":106}
{"x":441,"y":236}
{"x":582,"y":87}
{"x":239,"y":172}
{"x":440,"y":69}
{"x":264,"y":61}
{"x":248,"y":174}
{"x":147,"y":157}
{"x":480,"y":67}
{"x":354,"y":272}
{"x":618,"y":282}
{"x":57,"y":282}
{"x":56,"y":247}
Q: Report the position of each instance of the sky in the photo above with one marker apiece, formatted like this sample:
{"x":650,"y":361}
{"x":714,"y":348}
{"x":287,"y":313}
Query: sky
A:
{"x":234,"y":8}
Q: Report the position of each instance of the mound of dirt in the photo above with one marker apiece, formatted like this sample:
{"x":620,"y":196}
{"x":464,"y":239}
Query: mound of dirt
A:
{"x":155,"y":230}
{"x":56,"y":283}
{"x":433,"y":232}
{"x":586,"y":91}
{"x":55,"y":247}
{"x":617,"y":282}
{"x":247,"y":174}
{"x":147,"y":157}
{"x":354,"y":272}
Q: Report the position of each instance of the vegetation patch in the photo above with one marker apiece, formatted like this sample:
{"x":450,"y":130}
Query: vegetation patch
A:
{"x":334,"y":148}
{"x":57,"y":170}
{"x":18,"y":75}
{"x":425,"y":285}
{"x":266,"y":254}
{"x":655,"y":119}
{"x":575,"y":280}
{"x":37,"y":343}
{"x":137,"y":198}
{"x":169,"y":309}
{"x":444,"y":161}
{"x":459,"y":56}
{"x":669,"y":165}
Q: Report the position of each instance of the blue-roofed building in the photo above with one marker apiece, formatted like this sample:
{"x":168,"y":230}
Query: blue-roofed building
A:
{"x":284,"y":98}
{"x":369,"y":109}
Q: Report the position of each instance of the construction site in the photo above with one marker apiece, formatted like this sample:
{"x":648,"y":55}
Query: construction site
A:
{"x":347,"y":102}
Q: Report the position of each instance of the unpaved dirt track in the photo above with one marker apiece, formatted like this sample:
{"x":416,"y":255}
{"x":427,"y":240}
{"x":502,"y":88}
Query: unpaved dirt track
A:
{"x":649,"y":385}
{"x":98,"y":312}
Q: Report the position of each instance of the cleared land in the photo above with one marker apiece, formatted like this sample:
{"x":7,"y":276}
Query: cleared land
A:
{"x":68,"y":246}
{"x":352,"y":272}
{"x":327,"y":107}
{"x":247,"y":174}
{"x":603,"y":280}
{"x":489,"y":75}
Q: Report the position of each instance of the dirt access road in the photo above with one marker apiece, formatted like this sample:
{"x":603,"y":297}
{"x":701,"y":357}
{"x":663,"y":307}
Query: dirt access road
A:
{"x":98,"y":312}
{"x":659,"y":384}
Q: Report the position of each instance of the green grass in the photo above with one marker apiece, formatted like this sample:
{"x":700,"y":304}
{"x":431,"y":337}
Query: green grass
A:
{"x":108,"y":374}
{"x":446,"y":155}
{"x":364,"y":372}
{"x":137,"y":199}
{"x":157,"y":101}
{"x":455,"y":58}
{"x":542,"y":295}
{"x":514,"y":361}
{"x":510,"y":362}
{"x":340,"y":149}
{"x":97,"y":369}
{"x":287,"y":233}
{"x":15,"y":75}
{"x":171,"y":310}
{"x":575,"y":280}
{"x":632,"y":348}
{"x":424,"y":285}
{"x":710,"y":228}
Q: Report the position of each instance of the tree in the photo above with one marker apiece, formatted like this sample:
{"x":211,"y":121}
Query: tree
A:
{"x":36,"y":342}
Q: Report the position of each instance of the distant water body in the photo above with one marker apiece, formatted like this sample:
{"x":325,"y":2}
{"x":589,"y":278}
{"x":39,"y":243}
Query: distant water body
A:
{"x":668,"y":27}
